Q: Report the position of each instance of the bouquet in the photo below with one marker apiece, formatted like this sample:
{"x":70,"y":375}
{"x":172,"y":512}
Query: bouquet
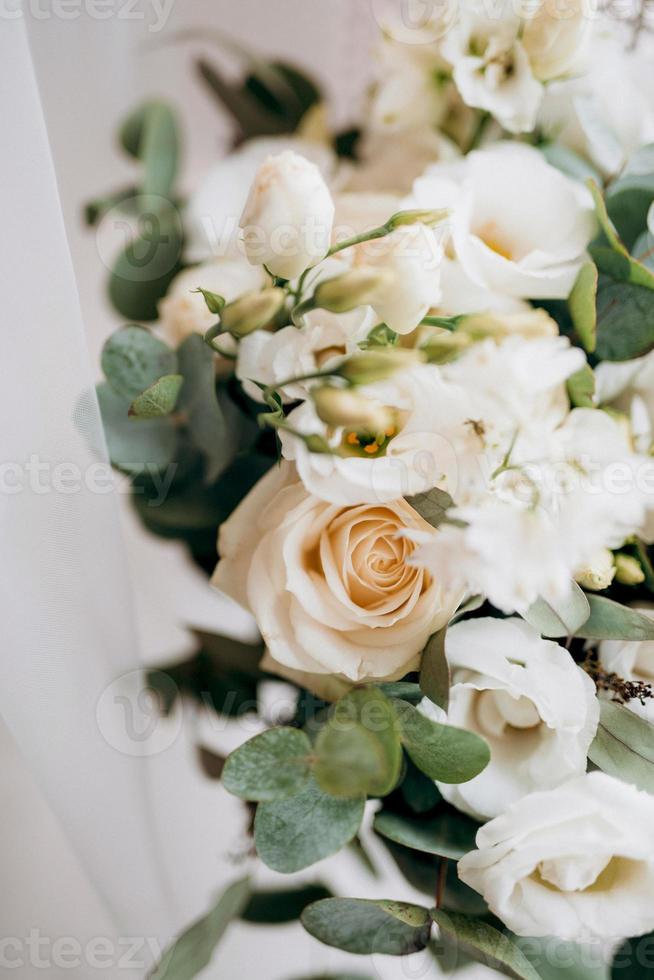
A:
{"x":405,"y":374}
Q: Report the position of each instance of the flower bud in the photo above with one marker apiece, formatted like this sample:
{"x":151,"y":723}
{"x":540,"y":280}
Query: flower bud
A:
{"x":377,"y":365}
{"x":411,"y":256}
{"x":443,"y":347}
{"x":358,"y":287}
{"x":342,"y":406}
{"x":288,"y":217}
{"x":417,"y":217}
{"x":598,"y":573}
{"x":530,"y":325}
{"x":628,"y":571}
{"x":252,"y":311}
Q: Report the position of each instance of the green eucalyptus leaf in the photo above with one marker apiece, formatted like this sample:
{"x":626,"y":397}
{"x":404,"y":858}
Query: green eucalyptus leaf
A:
{"x":484,"y":943}
{"x":581,"y":304}
{"x":145,"y":268}
{"x":146,"y":447}
{"x":442,"y":752}
{"x":628,"y":200}
{"x":435,"y":671}
{"x":150,"y":134}
{"x":432,"y":505}
{"x":621,"y":267}
{"x":633,"y":960}
{"x":556,"y":959}
{"x":625,"y":320}
{"x":363,"y":927}
{"x":449,"y":835}
{"x":624,"y":746}
{"x":569,"y":162}
{"x":133,"y":359}
{"x":277,"y":905}
{"x":581,"y":388}
{"x":358,"y":751}
{"x":609,"y":620}
{"x":189,"y":954}
{"x":271,"y":766}
{"x":420,"y":793}
{"x":159,"y":399}
{"x":294,"y":833}
{"x":205,"y":419}
{"x":560,"y":617}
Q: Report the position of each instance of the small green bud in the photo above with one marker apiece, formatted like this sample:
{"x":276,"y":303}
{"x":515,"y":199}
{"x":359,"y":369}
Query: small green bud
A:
{"x":446,"y":346}
{"x":252,"y":311}
{"x":358,"y":287}
{"x":344,"y":407}
{"x":215,"y":302}
{"x":377,"y":365}
{"x":628,"y":570}
{"x":417,"y":217}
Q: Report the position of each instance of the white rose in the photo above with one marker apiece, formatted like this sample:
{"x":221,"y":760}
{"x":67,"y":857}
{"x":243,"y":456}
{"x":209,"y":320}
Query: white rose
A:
{"x":212,"y":213}
{"x":526,"y":696}
{"x":183,"y":310}
{"x":288,"y":216}
{"x":518,"y":225}
{"x":575,"y":862}
{"x":556,"y":37}
{"x":271,"y":358}
{"x":414,"y":455}
{"x":330,"y":587}
{"x":633,"y":661}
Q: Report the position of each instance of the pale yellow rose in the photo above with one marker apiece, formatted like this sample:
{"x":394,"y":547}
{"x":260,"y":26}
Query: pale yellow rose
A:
{"x":330,"y":586}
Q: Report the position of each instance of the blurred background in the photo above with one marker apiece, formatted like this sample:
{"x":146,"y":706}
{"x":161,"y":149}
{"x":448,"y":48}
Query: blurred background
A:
{"x":107,"y":852}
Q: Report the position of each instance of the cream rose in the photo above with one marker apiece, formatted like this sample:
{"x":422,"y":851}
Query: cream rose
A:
{"x":330,"y":587}
{"x":576,"y":862}
{"x":526,"y":696}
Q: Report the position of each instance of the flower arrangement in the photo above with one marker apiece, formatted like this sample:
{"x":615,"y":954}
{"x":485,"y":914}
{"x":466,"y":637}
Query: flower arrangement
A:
{"x":416,"y":405}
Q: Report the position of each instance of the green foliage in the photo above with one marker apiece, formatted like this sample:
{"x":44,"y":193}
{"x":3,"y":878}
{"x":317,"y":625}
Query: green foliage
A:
{"x":561,"y":617}
{"x":418,"y":792}
{"x":447,"y":834}
{"x":277,"y":905}
{"x":133,"y":359}
{"x":624,"y":746}
{"x":193,"y":950}
{"x":145,"y":268}
{"x":294,"y":833}
{"x":364,"y":927}
{"x":135,"y":447}
{"x":204,"y":417}
{"x":555,"y":959}
{"x":432,"y":505}
{"x":484,"y":943}
{"x":271,"y":766}
{"x":581,"y":303}
{"x":435,"y":671}
{"x":609,"y":620}
{"x":451,"y":755}
{"x":159,"y":399}
{"x":634,"y":960}
{"x":358,"y":751}
{"x":625,"y":318}
{"x":581,"y":388}
{"x":150,"y":135}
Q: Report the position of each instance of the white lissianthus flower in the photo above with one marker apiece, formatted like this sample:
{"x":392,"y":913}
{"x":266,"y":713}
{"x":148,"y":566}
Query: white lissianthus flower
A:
{"x":518,"y":225}
{"x":575,"y":862}
{"x":330,"y":586}
{"x":183,"y":310}
{"x":418,"y":452}
{"x":535,"y":707}
{"x":292,"y":352}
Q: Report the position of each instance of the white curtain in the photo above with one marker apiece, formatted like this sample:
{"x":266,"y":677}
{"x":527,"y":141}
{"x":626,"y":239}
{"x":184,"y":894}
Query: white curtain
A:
{"x":112,"y":841}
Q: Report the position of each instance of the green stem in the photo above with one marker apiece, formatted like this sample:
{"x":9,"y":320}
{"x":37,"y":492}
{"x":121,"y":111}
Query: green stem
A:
{"x":447,"y":322}
{"x":365,"y":236}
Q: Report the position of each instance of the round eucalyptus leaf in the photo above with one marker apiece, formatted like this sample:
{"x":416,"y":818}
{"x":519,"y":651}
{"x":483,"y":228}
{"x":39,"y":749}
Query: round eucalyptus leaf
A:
{"x":143,"y":446}
{"x":442,"y":752}
{"x":270,"y":766}
{"x":133,"y":359}
{"x":364,"y":927}
{"x":445,"y":834}
{"x":159,"y":399}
